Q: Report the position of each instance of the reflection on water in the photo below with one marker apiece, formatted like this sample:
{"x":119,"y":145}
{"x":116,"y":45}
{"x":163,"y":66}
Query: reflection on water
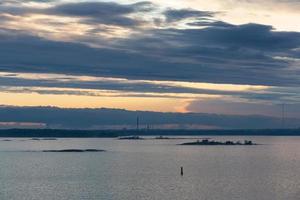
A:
{"x":149,"y":169}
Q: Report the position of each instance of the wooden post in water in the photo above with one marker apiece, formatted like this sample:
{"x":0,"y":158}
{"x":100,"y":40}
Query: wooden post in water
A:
{"x":181,"y":171}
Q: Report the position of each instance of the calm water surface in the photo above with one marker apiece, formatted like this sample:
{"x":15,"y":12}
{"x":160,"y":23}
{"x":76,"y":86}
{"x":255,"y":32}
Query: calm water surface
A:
{"x":150,"y":170}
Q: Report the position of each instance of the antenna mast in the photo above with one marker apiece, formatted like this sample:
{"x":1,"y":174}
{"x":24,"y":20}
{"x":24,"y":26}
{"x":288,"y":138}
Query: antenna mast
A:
{"x":283,"y":116}
{"x":137,"y":123}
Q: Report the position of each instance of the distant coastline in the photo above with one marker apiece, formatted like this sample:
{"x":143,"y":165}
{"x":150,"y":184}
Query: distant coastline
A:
{"x":58,"y":133}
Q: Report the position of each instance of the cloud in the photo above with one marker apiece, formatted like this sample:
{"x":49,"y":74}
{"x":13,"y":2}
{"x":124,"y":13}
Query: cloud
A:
{"x":244,"y":108}
{"x":172,"y":15}
{"x":89,"y":118}
{"x":229,"y":54}
{"x":25,"y":53}
{"x":233,"y":53}
{"x":211,"y":23}
{"x":107,"y":13}
{"x":94,"y":85}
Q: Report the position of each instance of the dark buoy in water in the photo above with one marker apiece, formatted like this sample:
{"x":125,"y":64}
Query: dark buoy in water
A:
{"x":181,"y":171}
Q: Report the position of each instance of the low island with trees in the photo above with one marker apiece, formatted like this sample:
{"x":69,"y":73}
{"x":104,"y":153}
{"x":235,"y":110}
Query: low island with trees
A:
{"x":212,"y":142}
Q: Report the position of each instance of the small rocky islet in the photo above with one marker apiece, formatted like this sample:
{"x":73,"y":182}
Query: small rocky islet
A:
{"x":134,"y":137}
{"x":75,"y":150}
{"x":212,"y":142}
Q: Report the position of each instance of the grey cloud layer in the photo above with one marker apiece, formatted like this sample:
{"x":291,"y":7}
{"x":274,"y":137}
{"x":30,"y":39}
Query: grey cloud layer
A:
{"x":219,"y":52}
{"x":102,"y":12}
{"x":88,"y":118}
{"x":244,"y":108}
{"x":109,"y":13}
{"x":140,"y":88}
{"x":180,"y":14}
{"x":8,"y":82}
{"x":223,"y":55}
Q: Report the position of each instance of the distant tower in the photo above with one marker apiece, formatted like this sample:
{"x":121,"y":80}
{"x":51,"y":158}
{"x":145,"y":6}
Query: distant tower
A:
{"x":283,"y":116}
{"x":137,"y":123}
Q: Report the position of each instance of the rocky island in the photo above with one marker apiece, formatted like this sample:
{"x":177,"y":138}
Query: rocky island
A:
{"x":212,"y":142}
{"x":75,"y":150}
{"x":134,"y":137}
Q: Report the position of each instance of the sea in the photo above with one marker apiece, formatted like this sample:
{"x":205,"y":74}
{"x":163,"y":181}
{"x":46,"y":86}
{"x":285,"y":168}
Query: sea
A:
{"x":150,"y":169}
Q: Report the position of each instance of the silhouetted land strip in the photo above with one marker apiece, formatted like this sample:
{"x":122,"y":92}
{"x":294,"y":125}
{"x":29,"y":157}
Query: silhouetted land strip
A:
{"x":75,"y":150}
{"x":57,"y":133}
{"x":213,"y":143}
{"x":134,"y":137}
{"x":176,"y":138}
{"x":43,"y":139}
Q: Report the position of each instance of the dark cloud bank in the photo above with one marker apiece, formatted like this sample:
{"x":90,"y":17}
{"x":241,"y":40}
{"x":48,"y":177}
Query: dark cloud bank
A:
{"x":97,"y":118}
{"x":215,"y":52}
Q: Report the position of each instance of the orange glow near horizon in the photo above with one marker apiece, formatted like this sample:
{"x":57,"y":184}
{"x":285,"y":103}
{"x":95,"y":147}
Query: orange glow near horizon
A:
{"x":82,"y":101}
{"x":186,"y":84}
{"x":97,"y":98}
{"x":67,"y":97}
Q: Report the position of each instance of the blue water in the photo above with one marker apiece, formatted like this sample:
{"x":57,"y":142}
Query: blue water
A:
{"x":150,"y":170}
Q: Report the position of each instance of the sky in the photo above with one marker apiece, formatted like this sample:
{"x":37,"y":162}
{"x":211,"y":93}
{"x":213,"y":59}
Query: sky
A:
{"x":233,"y":57}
